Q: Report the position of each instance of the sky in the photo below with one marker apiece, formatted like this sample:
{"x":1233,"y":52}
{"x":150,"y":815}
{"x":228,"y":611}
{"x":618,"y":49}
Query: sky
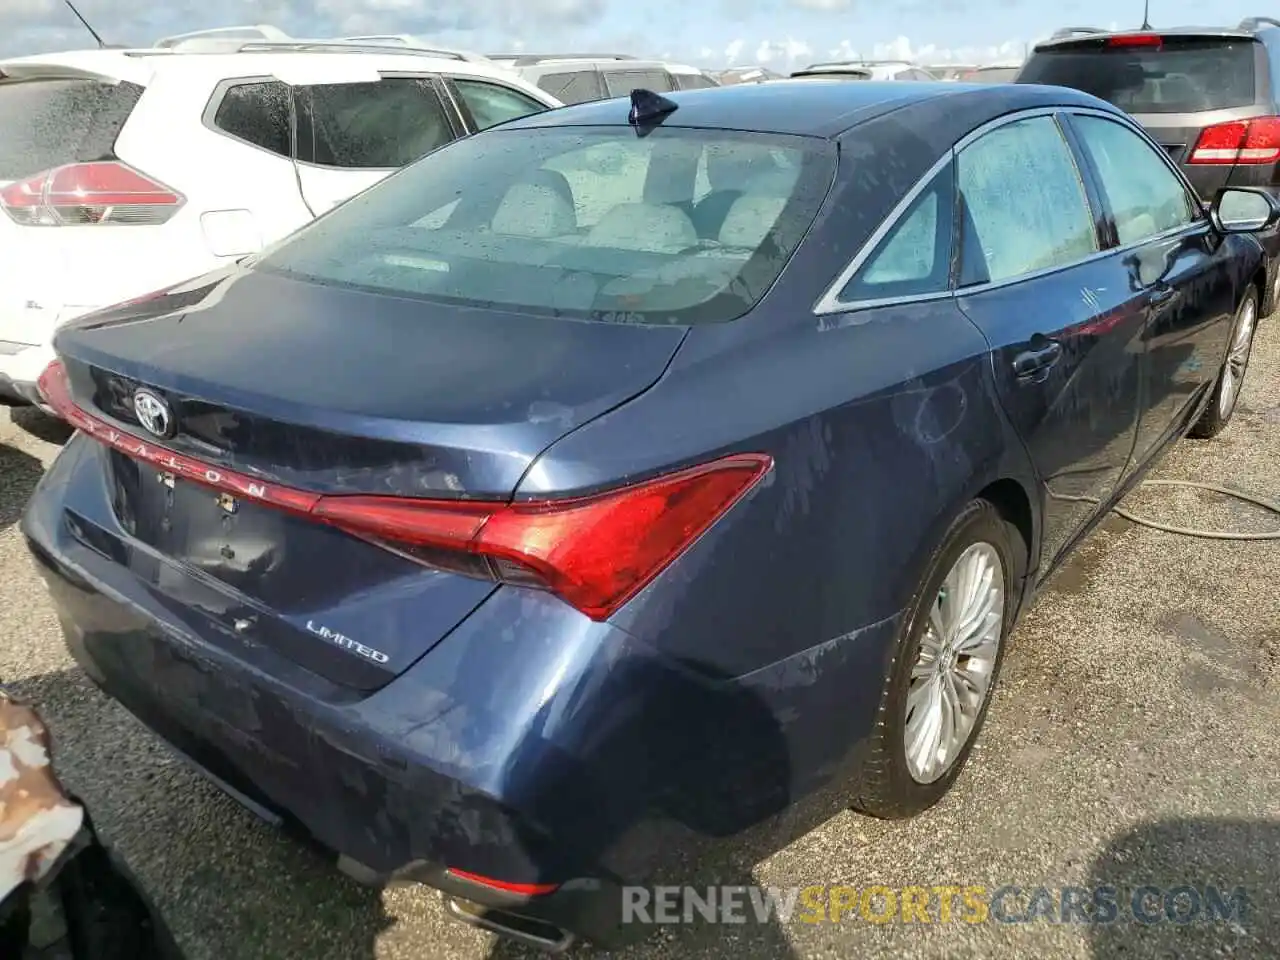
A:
{"x":711,"y":33}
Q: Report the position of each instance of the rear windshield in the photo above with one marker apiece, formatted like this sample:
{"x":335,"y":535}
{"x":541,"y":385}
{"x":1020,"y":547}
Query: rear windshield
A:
{"x":47,"y":123}
{"x":1186,"y":76}
{"x":679,"y":226}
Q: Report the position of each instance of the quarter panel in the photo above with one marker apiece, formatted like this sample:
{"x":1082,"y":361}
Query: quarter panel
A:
{"x":880,"y":422}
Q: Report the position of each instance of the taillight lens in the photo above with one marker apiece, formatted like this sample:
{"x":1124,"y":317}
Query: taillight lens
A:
{"x":1239,"y":141}
{"x":595,"y":552}
{"x":78,"y":194}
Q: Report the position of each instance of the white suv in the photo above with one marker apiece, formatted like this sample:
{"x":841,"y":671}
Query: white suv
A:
{"x":127,"y":171}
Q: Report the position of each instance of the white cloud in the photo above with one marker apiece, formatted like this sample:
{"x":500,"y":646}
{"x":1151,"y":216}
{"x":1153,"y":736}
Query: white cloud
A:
{"x":783,"y":53}
{"x":734,"y":50}
{"x":825,"y":6}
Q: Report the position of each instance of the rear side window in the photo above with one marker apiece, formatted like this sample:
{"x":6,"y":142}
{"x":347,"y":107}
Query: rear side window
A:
{"x":48,"y":123}
{"x":914,"y":259}
{"x":385,"y":124}
{"x":571,"y":221}
{"x":578,"y":86}
{"x":620,"y":83}
{"x":693,"y":81}
{"x":257,"y":113}
{"x":1182,"y":76}
{"x":491,"y":104}
{"x":381,"y":125}
{"x":1025,"y":206}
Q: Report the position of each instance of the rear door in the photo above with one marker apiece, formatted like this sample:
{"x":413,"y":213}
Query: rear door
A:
{"x":46,"y":122}
{"x":1175,"y":261}
{"x":1180,"y":87}
{"x":351,"y":135}
{"x":1064,"y":327}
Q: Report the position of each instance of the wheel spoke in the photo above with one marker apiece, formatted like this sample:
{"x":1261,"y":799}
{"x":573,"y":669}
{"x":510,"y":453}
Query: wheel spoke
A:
{"x":954,"y":663}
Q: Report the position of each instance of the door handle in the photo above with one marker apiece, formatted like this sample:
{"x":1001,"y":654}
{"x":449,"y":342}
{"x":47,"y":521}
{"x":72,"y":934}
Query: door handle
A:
{"x":1035,"y":363}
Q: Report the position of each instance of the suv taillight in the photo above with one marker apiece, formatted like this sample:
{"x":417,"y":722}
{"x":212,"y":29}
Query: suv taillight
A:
{"x":1239,"y":141}
{"x":78,"y":194}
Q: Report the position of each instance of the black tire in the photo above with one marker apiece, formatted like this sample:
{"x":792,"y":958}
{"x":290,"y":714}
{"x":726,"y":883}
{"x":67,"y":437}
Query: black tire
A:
{"x":1214,"y":420}
{"x":886,"y":786}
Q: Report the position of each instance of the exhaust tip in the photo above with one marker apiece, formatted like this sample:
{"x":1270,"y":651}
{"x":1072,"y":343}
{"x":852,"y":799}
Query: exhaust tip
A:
{"x":527,"y":930}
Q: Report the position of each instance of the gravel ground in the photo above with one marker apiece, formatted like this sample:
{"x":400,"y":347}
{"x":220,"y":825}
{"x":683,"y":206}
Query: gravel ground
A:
{"x":1132,"y":740}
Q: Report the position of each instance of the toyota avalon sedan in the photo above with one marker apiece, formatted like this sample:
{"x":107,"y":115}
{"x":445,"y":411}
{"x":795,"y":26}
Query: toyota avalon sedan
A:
{"x":602,"y":486}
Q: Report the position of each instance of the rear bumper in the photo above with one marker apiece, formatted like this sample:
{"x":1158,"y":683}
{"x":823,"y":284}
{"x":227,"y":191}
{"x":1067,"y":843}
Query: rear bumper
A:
{"x":531,"y":745}
{"x":20,"y":368}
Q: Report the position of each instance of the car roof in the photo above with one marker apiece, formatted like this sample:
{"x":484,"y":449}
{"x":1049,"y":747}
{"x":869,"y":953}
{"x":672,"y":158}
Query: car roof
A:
{"x":1083,"y":37}
{"x":141,"y":65}
{"x":812,"y":107}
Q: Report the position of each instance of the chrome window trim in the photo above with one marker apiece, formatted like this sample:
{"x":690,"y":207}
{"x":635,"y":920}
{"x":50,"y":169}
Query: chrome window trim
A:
{"x":1196,"y":227}
{"x":830,"y":301}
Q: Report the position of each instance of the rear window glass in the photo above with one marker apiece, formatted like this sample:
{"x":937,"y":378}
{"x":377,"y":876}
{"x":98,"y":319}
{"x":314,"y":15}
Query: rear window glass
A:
{"x":694,"y":81}
{"x":580,"y":86}
{"x":1180,"y":77}
{"x":380,"y":125}
{"x":620,"y":83}
{"x":679,"y":226}
{"x":48,"y":123}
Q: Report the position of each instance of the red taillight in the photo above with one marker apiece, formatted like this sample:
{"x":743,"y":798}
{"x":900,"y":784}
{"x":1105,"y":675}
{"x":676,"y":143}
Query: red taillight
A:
{"x":1135,"y":40}
{"x":1239,"y":141}
{"x":594,"y":552}
{"x":78,"y":194}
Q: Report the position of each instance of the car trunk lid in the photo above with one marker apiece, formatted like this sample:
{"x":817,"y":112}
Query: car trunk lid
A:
{"x":282,"y":392}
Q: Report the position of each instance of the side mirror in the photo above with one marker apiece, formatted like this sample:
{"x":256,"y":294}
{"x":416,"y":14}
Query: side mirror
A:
{"x":1243,"y":210}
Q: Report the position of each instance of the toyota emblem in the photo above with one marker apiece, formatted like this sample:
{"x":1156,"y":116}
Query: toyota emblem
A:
{"x":153,"y":413}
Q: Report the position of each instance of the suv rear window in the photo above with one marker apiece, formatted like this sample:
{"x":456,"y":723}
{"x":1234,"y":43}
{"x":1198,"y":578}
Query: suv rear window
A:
{"x":1182,"y":76}
{"x":48,"y":123}
{"x":679,"y":226}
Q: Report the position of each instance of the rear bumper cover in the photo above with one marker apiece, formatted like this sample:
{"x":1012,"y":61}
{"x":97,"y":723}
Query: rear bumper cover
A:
{"x":531,"y":745}
{"x":20,"y":368}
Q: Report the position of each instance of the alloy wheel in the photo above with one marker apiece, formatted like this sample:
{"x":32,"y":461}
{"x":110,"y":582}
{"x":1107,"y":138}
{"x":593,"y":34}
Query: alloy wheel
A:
{"x":955,"y":663}
{"x":1237,"y":359}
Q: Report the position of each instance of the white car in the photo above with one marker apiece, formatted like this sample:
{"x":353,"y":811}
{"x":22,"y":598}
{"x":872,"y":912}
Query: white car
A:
{"x":127,"y":171}
{"x":875,"y":69}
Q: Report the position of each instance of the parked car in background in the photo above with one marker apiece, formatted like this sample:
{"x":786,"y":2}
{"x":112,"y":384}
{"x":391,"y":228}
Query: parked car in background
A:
{"x":949,"y":71}
{"x":747,"y":75}
{"x":123,"y":171}
{"x":1210,"y":96}
{"x":581,"y":78}
{"x":992,"y":73}
{"x":440,"y":566}
{"x":875,"y":69}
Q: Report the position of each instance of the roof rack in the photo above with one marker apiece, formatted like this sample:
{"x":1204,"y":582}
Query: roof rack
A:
{"x":218,"y":45}
{"x":257,"y":31}
{"x":1253,"y":23}
{"x":529,"y":59}
{"x":1063,"y":32}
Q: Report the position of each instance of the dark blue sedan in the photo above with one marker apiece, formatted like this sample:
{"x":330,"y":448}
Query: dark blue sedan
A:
{"x":609,"y":483}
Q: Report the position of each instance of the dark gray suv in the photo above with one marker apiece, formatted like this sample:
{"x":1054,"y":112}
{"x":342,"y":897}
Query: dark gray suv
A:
{"x":1209,"y":95}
